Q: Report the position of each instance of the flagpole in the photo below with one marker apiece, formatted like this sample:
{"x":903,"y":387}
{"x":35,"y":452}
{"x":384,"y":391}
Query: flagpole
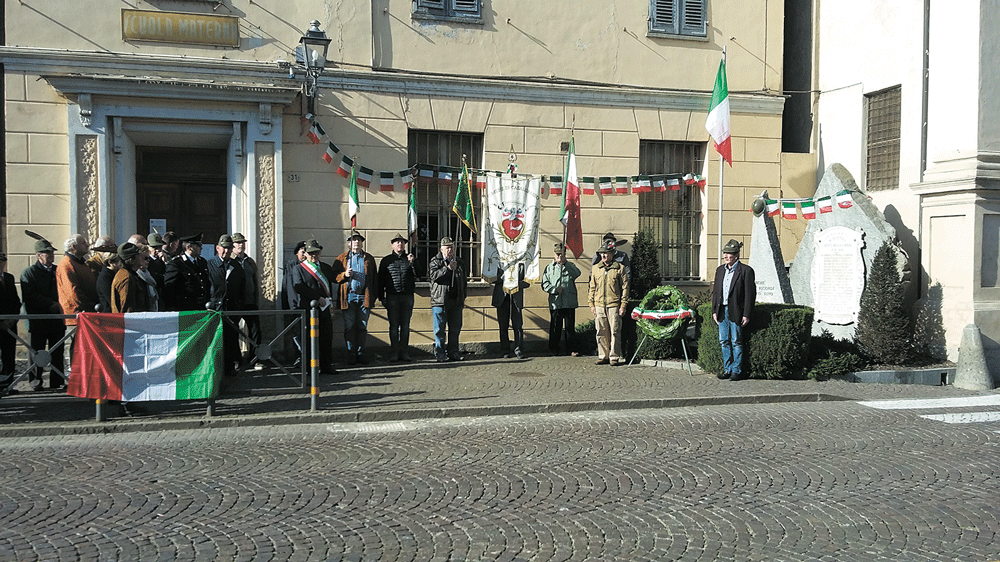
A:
{"x":722,"y":169}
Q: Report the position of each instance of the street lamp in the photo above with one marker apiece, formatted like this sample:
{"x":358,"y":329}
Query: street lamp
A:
{"x":314,"y":46}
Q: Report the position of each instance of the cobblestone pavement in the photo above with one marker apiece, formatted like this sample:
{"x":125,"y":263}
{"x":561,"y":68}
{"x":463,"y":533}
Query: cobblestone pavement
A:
{"x":427,"y":389}
{"x":782,"y":481}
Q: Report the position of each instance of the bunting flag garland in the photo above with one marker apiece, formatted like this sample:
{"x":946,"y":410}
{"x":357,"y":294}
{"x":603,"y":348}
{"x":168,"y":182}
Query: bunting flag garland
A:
{"x":643,"y":185}
{"x":773,"y":208}
{"x":621,"y":185}
{"x":364,"y":176}
{"x":808,"y":209}
{"x":331,"y":151}
{"x":688,"y":179}
{"x":463,"y":200}
{"x":315,"y":132}
{"x":700,"y":180}
{"x":659,"y":184}
{"x":606,"y":186}
{"x":587,"y":185}
{"x":556,"y":185}
{"x":825,"y":204}
{"x":844,"y":199}
{"x":445,"y":174}
{"x":346,"y":166}
{"x":789,"y":210}
{"x":426,"y":172}
{"x":480,"y":180}
{"x":353,"y":204}
{"x":674,"y":184}
{"x":407,"y":177}
{"x":387,"y":181}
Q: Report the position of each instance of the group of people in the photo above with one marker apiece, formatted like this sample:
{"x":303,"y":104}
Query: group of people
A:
{"x":154,"y":274}
{"x":168,"y":273}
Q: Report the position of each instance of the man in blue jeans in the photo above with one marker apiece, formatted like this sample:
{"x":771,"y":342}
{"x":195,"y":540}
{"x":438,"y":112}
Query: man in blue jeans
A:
{"x":733,"y":295}
{"x":448,"y":286}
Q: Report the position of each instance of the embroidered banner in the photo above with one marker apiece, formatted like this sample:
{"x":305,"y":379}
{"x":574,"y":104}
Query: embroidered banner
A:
{"x":510,"y":227}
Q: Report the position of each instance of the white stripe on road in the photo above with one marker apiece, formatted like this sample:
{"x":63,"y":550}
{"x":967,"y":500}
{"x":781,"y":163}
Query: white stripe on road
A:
{"x":966,"y":417}
{"x":961,"y":402}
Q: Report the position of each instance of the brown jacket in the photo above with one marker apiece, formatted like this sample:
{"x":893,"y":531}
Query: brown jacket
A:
{"x":77,"y":287}
{"x":371,"y":279}
{"x":129,"y":293}
{"x":608,"y":285}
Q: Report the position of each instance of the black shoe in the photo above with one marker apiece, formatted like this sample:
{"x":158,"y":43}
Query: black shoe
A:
{"x":60,"y":387}
{"x":363,"y":359}
{"x":722,"y":376}
{"x":352,"y":359}
{"x":394,"y":357}
{"x":441,"y":359}
{"x":518,"y":354}
{"x":737,"y":377}
{"x":506,"y":355}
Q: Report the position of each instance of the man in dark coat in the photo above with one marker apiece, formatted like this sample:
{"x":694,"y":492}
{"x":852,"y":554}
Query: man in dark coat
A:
{"x":41,"y":296}
{"x":226,"y":276}
{"x":157,"y":266}
{"x":509,"y":303}
{"x":397,"y":276}
{"x":9,"y":304}
{"x":185,"y":283}
{"x":251,"y":290}
{"x":733,"y":296}
{"x":312,"y":280}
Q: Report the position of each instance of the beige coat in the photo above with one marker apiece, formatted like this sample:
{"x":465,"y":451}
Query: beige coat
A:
{"x":609,"y":285}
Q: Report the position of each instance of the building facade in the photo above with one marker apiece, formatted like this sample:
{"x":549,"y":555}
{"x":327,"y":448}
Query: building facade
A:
{"x":909,"y":107}
{"x":190,"y":115}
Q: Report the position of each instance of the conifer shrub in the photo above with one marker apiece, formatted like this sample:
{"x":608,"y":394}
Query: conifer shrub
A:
{"x":645,"y":264}
{"x":831,"y":358}
{"x":775,"y":346}
{"x":884,"y":334}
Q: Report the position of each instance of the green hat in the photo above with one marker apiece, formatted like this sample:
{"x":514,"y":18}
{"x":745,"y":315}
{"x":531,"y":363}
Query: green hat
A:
{"x":732,"y":247}
{"x":559,"y":248}
{"x":313,"y":246}
{"x":607,"y":247}
{"x":447,"y":241}
{"x":238,"y":237}
{"x":226,"y":241}
{"x":355,"y":235}
{"x":155,"y":240}
{"x":43,"y":245}
{"x":128,"y":251}
{"x":399,"y":237}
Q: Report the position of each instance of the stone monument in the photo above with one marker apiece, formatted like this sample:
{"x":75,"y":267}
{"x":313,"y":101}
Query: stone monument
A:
{"x":765,"y":258}
{"x":862,"y":216}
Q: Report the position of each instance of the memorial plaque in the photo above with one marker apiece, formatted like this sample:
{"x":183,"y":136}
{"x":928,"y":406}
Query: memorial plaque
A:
{"x":838,"y":275}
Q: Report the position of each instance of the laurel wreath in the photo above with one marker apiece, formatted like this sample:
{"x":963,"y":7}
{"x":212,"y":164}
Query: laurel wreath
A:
{"x":662,"y":312}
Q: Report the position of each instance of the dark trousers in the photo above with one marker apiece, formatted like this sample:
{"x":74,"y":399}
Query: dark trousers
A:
{"x":230,"y":344}
{"x":399,"y":309}
{"x":8,"y":345}
{"x":42,"y":340}
{"x":508,"y":314}
{"x":560,"y":320}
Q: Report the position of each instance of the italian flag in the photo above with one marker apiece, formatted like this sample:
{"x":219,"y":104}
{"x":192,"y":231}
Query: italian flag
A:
{"x":406,"y":176}
{"x":607,"y":187}
{"x":825,"y":204}
{"x":346,"y":166}
{"x":674,"y":184}
{"x":717,"y":123}
{"x":354,"y":206}
{"x":387,"y":181}
{"x":364,"y":177}
{"x":555,"y":185}
{"x":621,"y":185}
{"x":147,"y":356}
{"x":569,"y":213}
{"x":808,"y":209}
{"x":315,"y":133}
{"x":587,"y":185}
{"x":788,"y":210}
{"x":331,"y":151}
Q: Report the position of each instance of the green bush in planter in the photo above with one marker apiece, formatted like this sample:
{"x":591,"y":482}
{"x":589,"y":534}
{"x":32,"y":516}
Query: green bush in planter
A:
{"x":776,"y":345}
{"x":586,"y":337}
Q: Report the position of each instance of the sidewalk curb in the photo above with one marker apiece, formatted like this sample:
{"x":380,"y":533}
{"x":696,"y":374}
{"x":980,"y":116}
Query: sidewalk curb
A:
{"x":152,"y":424}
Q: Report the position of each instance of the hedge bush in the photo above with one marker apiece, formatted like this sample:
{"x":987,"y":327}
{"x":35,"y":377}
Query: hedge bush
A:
{"x":775,"y":346}
{"x":830,"y":357}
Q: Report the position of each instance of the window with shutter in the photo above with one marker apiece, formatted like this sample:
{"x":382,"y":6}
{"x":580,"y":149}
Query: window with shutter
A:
{"x":677,"y":17}
{"x":449,"y":10}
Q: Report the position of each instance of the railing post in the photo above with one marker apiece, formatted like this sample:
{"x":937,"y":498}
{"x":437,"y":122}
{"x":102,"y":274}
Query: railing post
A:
{"x":314,"y":353}
{"x":99,"y":410}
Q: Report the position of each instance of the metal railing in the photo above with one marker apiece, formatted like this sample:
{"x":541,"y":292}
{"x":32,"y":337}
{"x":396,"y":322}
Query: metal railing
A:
{"x":259,"y":352}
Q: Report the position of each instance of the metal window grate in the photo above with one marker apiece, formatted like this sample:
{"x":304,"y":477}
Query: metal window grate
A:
{"x":884,"y":114}
{"x":674,"y":217}
{"x":435,"y":198}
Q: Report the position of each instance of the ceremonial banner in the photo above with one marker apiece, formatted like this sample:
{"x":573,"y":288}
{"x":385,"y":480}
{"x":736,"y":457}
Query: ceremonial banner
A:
{"x":510,"y":228}
{"x":147,"y":356}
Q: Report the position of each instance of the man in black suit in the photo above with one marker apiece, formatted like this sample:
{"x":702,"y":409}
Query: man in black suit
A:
{"x":509,"y":303}
{"x":226,"y":276}
{"x":9,"y":304}
{"x":185,"y":283}
{"x":733,"y":296}
{"x":41,"y":296}
{"x":312,"y":280}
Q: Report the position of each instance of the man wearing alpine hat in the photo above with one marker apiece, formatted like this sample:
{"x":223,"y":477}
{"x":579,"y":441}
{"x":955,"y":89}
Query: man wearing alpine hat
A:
{"x":733,"y":295}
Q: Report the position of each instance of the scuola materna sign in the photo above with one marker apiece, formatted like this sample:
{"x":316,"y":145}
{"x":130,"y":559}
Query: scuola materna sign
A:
{"x":175,"y":27}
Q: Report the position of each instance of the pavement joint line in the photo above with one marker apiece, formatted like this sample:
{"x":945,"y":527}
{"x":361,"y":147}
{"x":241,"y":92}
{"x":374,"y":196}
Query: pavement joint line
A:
{"x":382,"y":415}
